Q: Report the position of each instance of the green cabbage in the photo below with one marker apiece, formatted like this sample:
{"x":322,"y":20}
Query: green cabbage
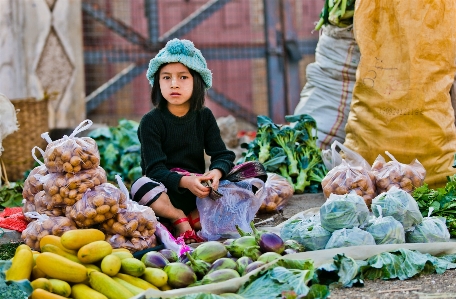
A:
{"x":343,"y":211}
{"x":386,"y":230}
{"x":349,"y":237}
{"x":400,"y":205}
{"x":307,"y":232}
{"x":431,"y":229}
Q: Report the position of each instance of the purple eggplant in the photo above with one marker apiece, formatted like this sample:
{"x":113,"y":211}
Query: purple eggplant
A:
{"x":219,"y":276}
{"x":200,"y":267}
{"x":268,"y":241}
{"x":154,"y":259}
{"x":179,"y":275}
{"x":293,"y":244}
{"x":228,"y":241}
{"x":242,"y":263}
{"x":170,"y":255}
{"x":253,"y":266}
{"x":288,"y":251}
{"x":223,"y":263}
{"x":269,"y":257}
{"x":236,"y":248}
{"x":209,"y":251}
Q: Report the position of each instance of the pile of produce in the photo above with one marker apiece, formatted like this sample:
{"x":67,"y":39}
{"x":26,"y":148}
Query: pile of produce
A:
{"x":345,"y":220}
{"x":441,"y":200}
{"x":69,"y":191}
{"x":288,"y":150}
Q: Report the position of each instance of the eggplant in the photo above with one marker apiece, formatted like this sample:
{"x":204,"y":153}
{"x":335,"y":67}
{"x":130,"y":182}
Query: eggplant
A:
{"x":179,"y":275}
{"x":295,"y":245}
{"x":228,"y":241}
{"x":242,"y":263}
{"x":223,"y":263}
{"x":154,"y":259}
{"x":236,"y":248}
{"x":219,"y":276}
{"x":209,"y":251}
{"x":169,"y":254}
{"x":268,"y":241}
{"x":288,"y":251}
{"x":253,"y":266}
{"x":200,"y":267}
{"x":269,"y":257}
{"x":252,"y":252}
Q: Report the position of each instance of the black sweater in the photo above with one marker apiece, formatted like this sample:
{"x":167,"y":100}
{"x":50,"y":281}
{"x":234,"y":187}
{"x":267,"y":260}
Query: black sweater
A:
{"x":169,"y":141}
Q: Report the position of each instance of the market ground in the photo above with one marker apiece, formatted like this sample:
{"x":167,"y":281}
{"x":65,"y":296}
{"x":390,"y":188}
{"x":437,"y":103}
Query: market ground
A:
{"x":422,"y":287}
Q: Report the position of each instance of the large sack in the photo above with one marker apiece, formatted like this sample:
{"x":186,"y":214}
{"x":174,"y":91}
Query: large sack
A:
{"x":330,"y":79}
{"x":401,"y":100}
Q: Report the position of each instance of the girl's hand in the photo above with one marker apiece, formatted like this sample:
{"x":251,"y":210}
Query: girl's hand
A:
{"x":214,"y":175}
{"x":193,"y":183}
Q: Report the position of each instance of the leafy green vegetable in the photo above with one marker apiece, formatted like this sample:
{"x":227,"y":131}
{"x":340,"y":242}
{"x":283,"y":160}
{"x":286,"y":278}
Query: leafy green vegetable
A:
{"x":442,"y":200}
{"x":11,"y":195}
{"x":19,"y":289}
{"x":289,"y":150}
{"x":337,"y":12}
{"x":120,"y":150}
{"x":7,"y":250}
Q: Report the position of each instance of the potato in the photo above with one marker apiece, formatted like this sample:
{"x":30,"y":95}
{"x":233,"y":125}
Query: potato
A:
{"x":133,"y":244}
{"x":278,"y":190}
{"x":33,"y":184}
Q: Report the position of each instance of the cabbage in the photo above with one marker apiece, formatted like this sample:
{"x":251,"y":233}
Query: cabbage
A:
{"x":386,"y":230}
{"x":400,"y":205}
{"x":349,"y":237}
{"x":343,"y":211}
{"x":431,"y":229}
{"x":307,"y":232}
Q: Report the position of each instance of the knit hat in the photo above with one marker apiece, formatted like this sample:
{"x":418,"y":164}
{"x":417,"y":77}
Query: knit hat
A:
{"x":183,"y":51}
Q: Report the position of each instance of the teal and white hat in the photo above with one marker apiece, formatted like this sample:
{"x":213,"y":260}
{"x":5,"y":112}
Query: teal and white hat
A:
{"x":183,"y":51}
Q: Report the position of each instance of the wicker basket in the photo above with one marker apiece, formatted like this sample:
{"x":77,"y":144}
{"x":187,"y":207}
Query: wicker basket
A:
{"x":33,"y":121}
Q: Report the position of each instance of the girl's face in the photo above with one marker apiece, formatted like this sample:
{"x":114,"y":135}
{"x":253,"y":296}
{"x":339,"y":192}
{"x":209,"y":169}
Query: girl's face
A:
{"x":176,"y":84}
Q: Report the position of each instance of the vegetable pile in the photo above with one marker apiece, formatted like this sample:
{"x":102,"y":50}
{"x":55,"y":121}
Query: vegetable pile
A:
{"x":120,"y":150}
{"x":441,"y":200}
{"x":337,"y":12}
{"x":289,"y":150}
{"x":11,"y":195}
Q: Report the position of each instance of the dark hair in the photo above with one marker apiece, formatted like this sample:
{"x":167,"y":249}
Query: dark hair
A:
{"x":196,"y":100}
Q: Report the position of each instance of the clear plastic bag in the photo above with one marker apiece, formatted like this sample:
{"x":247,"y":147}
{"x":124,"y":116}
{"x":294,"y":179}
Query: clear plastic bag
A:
{"x":43,"y":226}
{"x":33,"y":183}
{"x":349,"y":237}
{"x":278,"y":192}
{"x":348,"y":172}
{"x":133,"y":244}
{"x":393,"y":173}
{"x":431,"y":229}
{"x":97,"y":205}
{"x":386,"y":230}
{"x":344,"y":211}
{"x":43,"y":206}
{"x":135,"y":220}
{"x":237,"y":206}
{"x":65,"y":189}
{"x":72,"y":154}
{"x":399,"y":204}
{"x":307,"y":232}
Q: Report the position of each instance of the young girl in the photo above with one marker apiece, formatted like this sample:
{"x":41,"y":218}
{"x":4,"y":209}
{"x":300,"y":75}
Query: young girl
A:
{"x":174,"y":137}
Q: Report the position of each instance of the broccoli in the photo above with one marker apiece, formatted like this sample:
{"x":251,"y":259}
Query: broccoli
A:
{"x":318,"y":173}
{"x":307,"y":125}
{"x":287,"y":137}
{"x":277,"y":158}
{"x":308,"y":160}
{"x":264,"y":137}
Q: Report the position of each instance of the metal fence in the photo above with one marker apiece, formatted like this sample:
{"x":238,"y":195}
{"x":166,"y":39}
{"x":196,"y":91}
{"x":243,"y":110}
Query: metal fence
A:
{"x":257,"y":51}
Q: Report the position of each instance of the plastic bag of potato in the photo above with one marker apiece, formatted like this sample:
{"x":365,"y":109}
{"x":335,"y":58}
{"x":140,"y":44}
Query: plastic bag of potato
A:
{"x":97,"y":205}
{"x":43,"y":226}
{"x":72,"y":154}
{"x":278,"y":191}
{"x":65,"y":189}
{"x":393,"y":173}
{"x":33,"y":183}
{"x":133,"y":244}
{"x":43,"y":206}
{"x":135,"y":221}
{"x":348,"y":171}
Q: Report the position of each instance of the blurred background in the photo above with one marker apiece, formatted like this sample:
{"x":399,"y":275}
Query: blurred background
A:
{"x":257,"y":50}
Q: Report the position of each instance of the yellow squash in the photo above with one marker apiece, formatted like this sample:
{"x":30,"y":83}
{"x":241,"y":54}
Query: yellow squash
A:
{"x":75,"y":239}
{"x":42,"y":294}
{"x":104,"y":284}
{"x":57,"y":266}
{"x":21,"y":265}
{"x":55,"y":240}
{"x":94,"y":251}
{"x":81,"y":291}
